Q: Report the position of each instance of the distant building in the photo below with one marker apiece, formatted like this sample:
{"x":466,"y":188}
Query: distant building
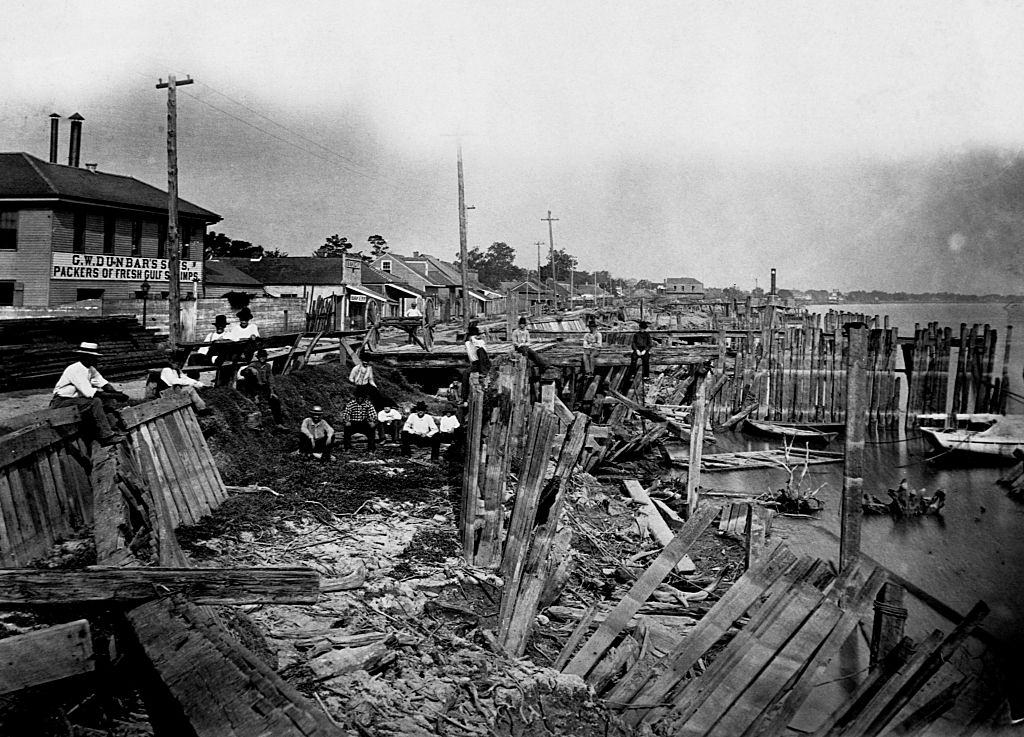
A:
{"x":683,"y":286}
{"x":68,"y":234}
{"x":220,"y":278}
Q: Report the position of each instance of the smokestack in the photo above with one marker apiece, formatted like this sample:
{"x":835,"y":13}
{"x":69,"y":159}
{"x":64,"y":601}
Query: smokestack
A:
{"x":54,"y":132}
{"x":75,"y":147}
{"x":773,"y":283}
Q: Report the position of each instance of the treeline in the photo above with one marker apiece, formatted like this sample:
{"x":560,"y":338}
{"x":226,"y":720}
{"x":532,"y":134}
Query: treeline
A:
{"x":858,"y":296}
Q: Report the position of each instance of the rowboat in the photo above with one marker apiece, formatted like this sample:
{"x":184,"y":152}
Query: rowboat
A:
{"x":789,"y":431}
{"x":960,"y":420}
{"x":998,"y":439}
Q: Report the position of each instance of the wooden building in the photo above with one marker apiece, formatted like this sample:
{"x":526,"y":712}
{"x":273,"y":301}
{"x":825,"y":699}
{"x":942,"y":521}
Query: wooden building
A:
{"x":68,"y":234}
{"x":683,"y":286}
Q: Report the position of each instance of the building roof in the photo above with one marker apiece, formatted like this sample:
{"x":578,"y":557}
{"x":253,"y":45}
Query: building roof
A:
{"x":295,"y":270}
{"x":590,"y":289}
{"x":221,"y":273}
{"x":683,"y":280}
{"x":23,"y":176}
{"x":437,"y":272}
{"x":371,"y":275}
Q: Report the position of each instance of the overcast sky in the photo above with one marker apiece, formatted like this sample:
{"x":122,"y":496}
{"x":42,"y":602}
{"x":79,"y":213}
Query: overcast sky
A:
{"x":713,"y":140}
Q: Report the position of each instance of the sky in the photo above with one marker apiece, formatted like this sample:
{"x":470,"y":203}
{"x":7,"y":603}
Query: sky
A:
{"x":714,"y":140}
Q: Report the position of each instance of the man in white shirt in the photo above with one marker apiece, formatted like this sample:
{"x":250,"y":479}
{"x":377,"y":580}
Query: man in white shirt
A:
{"x":245,"y":328}
{"x":81,"y":385}
{"x":592,"y":341}
{"x":220,"y":333}
{"x":521,"y":343}
{"x":389,"y":422}
{"x":316,"y":436}
{"x":421,"y":429}
{"x":413,"y":311}
{"x":448,"y":427}
{"x":178,"y":383}
{"x":362,"y":374}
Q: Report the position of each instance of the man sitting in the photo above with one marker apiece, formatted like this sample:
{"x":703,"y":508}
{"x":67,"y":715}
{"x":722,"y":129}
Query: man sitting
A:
{"x":256,"y":379}
{"x":178,"y":383}
{"x":389,"y":423}
{"x":316,"y":436}
{"x":359,"y":416}
{"x":245,"y":328}
{"x":521,"y":343}
{"x":448,"y":429}
{"x":421,"y":429}
{"x":81,"y":385}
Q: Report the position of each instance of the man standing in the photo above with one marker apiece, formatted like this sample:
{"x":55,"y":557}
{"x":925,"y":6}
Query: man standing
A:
{"x":256,"y":379}
{"x":245,"y":329}
{"x":316,"y":436}
{"x":641,"y":346}
{"x":389,"y":422}
{"x":421,"y":429}
{"x":521,"y":343}
{"x":591,"y":344}
{"x":81,"y":385}
{"x":359,"y":416}
{"x":175,"y":381}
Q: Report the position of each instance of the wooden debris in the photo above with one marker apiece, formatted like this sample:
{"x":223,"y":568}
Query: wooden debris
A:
{"x":652,"y":521}
{"x":217,"y":688}
{"x":743,"y":460}
{"x":46,"y":655}
{"x":20,"y":587}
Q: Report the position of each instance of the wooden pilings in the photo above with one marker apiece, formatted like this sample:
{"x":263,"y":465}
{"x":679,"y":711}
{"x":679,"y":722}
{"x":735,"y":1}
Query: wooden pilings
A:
{"x":851,"y":502}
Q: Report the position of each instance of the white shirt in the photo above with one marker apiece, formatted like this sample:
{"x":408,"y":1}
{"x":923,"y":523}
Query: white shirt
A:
{"x":236,"y":332}
{"x":215,"y":337}
{"x":317,"y":428}
{"x":473,"y":345}
{"x":450,"y":423}
{"x":417,"y":425}
{"x":78,"y":380}
{"x":413,"y":312}
{"x":592,"y":340}
{"x":388,"y":415}
{"x":175,"y":378}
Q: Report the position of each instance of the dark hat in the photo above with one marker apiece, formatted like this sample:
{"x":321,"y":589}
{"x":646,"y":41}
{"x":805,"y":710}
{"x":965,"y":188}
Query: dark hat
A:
{"x":643,"y":324}
{"x":220,"y":321}
{"x":591,"y":323}
{"x":473,"y":330}
{"x":420,"y":407}
{"x":244,"y":314}
{"x":88,"y":349}
{"x":261,"y":353}
{"x":522,"y":320}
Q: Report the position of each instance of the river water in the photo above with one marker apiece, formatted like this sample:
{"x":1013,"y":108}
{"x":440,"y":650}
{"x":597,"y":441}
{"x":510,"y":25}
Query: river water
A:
{"x":973,"y":551}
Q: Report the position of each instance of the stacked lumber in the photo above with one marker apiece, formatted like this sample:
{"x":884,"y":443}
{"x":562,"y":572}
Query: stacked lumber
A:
{"x":743,"y":460}
{"x":34,"y":351}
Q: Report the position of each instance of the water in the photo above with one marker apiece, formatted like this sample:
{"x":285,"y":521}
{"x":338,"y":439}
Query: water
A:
{"x":974,"y":551}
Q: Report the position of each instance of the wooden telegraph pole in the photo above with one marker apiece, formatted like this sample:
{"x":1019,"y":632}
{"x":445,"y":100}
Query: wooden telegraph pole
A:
{"x":551,"y":249}
{"x":852,"y":501}
{"x":173,"y":246}
{"x":463,"y":256}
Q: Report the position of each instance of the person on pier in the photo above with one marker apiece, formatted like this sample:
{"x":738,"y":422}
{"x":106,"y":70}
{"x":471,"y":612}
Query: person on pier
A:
{"x":81,"y":385}
{"x":641,"y":350}
{"x":389,"y":423}
{"x":479,"y":361}
{"x":359,"y":416}
{"x":592,"y":341}
{"x":521,"y":344}
{"x":316,"y":436}
{"x":173,"y":381}
{"x":256,"y":379}
{"x":448,"y":427}
{"x":245,"y":328}
{"x":421,"y":429}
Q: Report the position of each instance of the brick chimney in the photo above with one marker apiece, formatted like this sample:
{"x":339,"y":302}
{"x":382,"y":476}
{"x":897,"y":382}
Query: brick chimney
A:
{"x":54,"y":132}
{"x":75,"y":146}
{"x":773,"y":283}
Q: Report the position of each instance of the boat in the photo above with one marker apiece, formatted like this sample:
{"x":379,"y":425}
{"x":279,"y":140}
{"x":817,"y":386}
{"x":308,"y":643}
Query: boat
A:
{"x":790,"y":431}
{"x":960,"y":420}
{"x":1000,"y":438}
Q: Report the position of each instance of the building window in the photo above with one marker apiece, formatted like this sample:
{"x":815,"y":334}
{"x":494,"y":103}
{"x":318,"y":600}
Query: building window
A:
{"x":78,"y":232}
{"x":9,"y":230}
{"x":136,"y":237}
{"x":186,"y":241}
{"x":161,"y":239}
{"x":109,"y":225}
{"x":385,"y":266}
{"x":88,"y":294}
{"x":6,"y":294}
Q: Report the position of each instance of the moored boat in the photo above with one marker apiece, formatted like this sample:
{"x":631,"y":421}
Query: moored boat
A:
{"x":998,"y":439}
{"x":789,"y":431}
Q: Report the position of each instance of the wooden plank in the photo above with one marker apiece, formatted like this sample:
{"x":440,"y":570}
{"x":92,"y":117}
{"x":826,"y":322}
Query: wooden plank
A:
{"x":851,"y":501}
{"x":167,"y":458}
{"x":216,"y":687}
{"x":204,"y":585}
{"x":30,"y":543}
{"x":52,"y":417}
{"x":209,"y":465}
{"x":655,"y":523}
{"x":630,"y":604}
{"x":137,"y":415}
{"x":578,"y":633}
{"x":46,"y":655}
{"x":8,"y":521}
{"x":21,"y":444}
{"x":152,"y":471}
{"x":182,"y":455}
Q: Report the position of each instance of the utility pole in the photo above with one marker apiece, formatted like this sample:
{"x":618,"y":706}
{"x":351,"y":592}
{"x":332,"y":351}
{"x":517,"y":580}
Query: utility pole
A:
{"x":551,"y":247}
{"x":174,"y":263}
{"x":463,"y":257}
{"x":540,"y":283}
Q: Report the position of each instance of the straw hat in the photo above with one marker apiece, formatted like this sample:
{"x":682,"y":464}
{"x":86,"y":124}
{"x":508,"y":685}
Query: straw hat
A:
{"x":317,"y":410}
{"x":88,"y":349}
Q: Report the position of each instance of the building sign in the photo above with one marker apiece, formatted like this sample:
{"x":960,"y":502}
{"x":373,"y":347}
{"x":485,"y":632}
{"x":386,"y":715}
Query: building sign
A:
{"x":90,"y":266}
{"x":357,"y":298}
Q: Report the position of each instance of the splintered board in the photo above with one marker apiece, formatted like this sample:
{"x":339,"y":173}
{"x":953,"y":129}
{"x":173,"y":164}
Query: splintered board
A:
{"x":774,"y":458}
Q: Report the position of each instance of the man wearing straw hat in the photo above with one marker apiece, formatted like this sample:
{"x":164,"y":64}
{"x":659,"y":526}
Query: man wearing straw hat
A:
{"x":82,"y":386}
{"x":316,"y":435}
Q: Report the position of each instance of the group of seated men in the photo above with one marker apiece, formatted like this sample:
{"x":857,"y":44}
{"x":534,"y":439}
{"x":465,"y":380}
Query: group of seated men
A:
{"x":361,"y":417}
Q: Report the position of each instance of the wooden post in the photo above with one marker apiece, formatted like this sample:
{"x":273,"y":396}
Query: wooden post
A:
{"x":890,"y":618}
{"x":511,"y":314}
{"x":851,"y":503}
{"x":696,"y":443}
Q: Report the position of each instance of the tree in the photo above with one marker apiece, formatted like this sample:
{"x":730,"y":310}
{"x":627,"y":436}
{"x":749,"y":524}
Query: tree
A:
{"x":275,"y":253}
{"x":493,"y":266}
{"x":333,"y":247}
{"x":219,"y":244}
{"x":378,"y":246}
{"x":563,"y":262}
